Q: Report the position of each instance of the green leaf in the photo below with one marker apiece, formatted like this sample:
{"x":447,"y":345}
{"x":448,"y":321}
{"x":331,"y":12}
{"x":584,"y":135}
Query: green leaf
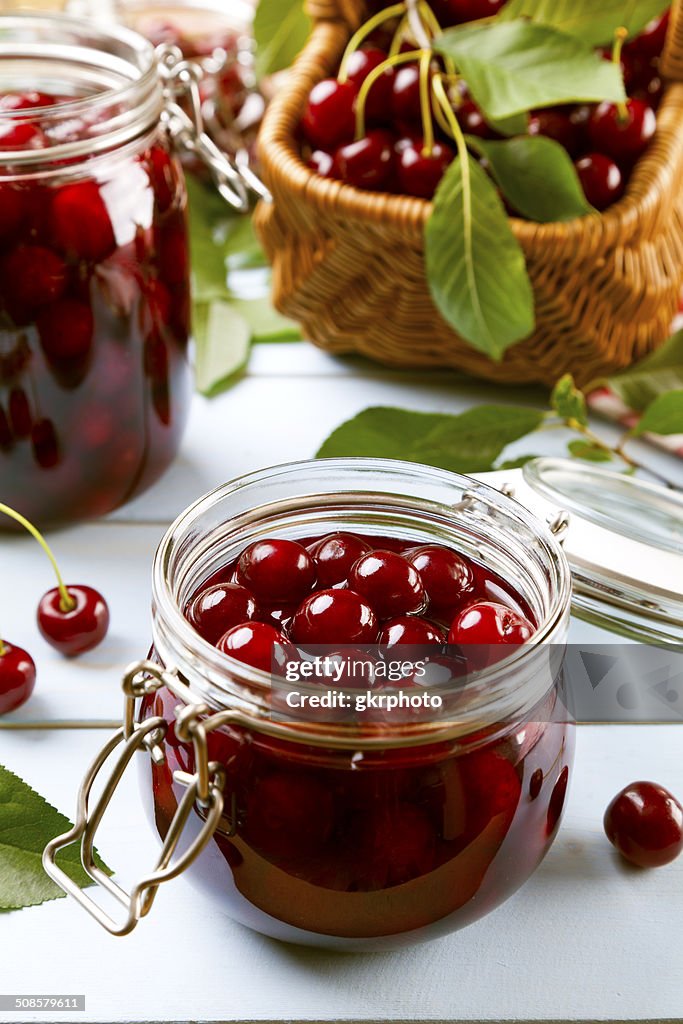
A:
{"x":569,"y":402}
{"x":589,"y":452}
{"x":467,"y":443}
{"x":265,"y":323}
{"x":515,"y":66}
{"x":219,"y":241}
{"x":515,"y":125}
{"x":663,"y":416}
{"x":27,"y":824}
{"x":281,"y":28}
{"x":222,"y":338}
{"x":653,"y":376}
{"x":594,"y":23}
{"x":537,"y":176}
{"x":517,"y":463}
{"x":475,"y":267}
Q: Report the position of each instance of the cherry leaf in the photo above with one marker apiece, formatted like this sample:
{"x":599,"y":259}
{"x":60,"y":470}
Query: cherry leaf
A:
{"x":663,"y":416}
{"x":589,"y":452}
{"x":655,"y":375}
{"x":475,"y":267}
{"x":513,"y":66}
{"x":537,"y":176}
{"x":281,"y":28}
{"x":27,"y":823}
{"x":568,"y":401}
{"x":467,"y":443}
{"x":595,"y":23}
{"x":222,"y":345}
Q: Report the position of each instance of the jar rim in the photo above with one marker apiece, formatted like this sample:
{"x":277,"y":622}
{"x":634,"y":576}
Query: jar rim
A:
{"x":182,"y":649}
{"x":129,"y":103}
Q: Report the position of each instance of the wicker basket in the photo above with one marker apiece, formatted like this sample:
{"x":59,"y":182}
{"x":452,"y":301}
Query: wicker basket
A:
{"x":349,"y":265}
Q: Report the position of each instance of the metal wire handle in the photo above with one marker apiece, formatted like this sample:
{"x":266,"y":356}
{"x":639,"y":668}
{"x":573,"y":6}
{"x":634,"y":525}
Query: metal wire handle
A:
{"x":204,"y":788}
{"x":235,"y":180}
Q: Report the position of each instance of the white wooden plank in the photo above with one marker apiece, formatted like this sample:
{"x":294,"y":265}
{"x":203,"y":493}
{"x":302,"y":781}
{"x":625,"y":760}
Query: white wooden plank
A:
{"x":586,"y":939}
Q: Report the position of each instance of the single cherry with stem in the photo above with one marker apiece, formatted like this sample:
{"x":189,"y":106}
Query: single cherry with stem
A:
{"x":71,"y":619}
{"x":17,"y":676}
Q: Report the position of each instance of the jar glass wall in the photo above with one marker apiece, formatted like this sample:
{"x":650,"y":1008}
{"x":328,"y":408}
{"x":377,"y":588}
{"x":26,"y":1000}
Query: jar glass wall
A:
{"x":357,"y":839}
{"x":94,"y":290}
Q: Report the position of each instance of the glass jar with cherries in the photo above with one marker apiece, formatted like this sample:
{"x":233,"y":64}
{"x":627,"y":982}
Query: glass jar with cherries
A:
{"x":363,"y":830}
{"x":94,"y":267}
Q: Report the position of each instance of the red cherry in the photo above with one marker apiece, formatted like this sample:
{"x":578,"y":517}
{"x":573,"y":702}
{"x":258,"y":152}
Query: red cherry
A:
{"x":601,"y":180}
{"x":25,"y":100}
{"x":645,"y":823}
{"x":650,"y":43}
{"x":491,"y":786}
{"x":45,"y":444}
{"x":80,"y":222}
{"x":257,"y":644}
{"x":622,"y":139}
{"x":378,"y":104}
{"x":20,"y":135}
{"x":488,"y":622}
{"x":559,"y":126}
{"x":172,"y":253}
{"x":389,"y":582}
{"x":366,"y":163}
{"x":329,"y":119}
{"x":78,"y":629}
{"x":405,"y":96}
{"x":33,"y":275}
{"x":17,"y":677}
{"x":334,"y":617}
{"x":419,"y":173}
{"x":276,"y":571}
{"x":455,"y":12}
{"x":651,"y":92}
{"x":446,"y":576}
{"x":324,"y":164}
{"x":20,"y":416}
{"x":12,"y":210}
{"x":217,"y":609}
{"x":65,"y":329}
{"x":288,"y":814}
{"x":408,"y":629}
{"x":334,"y":555}
{"x":471,"y":120}
{"x":162,"y":176}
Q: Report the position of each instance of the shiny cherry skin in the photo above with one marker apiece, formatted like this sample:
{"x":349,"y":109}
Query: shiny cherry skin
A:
{"x":645,"y":823}
{"x":378,"y":104}
{"x":257,"y":644}
{"x":324,"y":164}
{"x":17,"y":677}
{"x":601,"y":180}
{"x":419,"y":173}
{"x":334,"y":617}
{"x":410,"y":629}
{"x":65,"y":330}
{"x":624,"y":140}
{"x":405,"y":97}
{"x":78,"y":629}
{"x":329,"y":119}
{"x":277,"y":572}
{"x":334,"y":555}
{"x":33,"y":275}
{"x":366,"y":163}
{"x":456,"y":12}
{"x":220,"y":607}
{"x":447,"y":578}
{"x":390,"y":584}
{"x":21,"y":135}
{"x":649,"y":44}
{"x":557,"y":125}
{"x":489,"y":622}
{"x":471,"y":120}
{"x":80,"y":224}
{"x":25,"y":100}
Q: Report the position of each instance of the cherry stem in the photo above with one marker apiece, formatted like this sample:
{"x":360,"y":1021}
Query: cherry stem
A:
{"x":397,"y":41}
{"x":363,"y":32}
{"x":431,"y":20}
{"x":417,"y":27}
{"x":620,"y":37}
{"x":375,"y":74}
{"x":455,"y":131}
{"x":3,"y":649}
{"x":425,"y":104}
{"x":618,"y":450}
{"x":66,"y":602}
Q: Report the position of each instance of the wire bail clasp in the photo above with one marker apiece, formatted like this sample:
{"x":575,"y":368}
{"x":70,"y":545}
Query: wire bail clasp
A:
{"x":180,"y":78}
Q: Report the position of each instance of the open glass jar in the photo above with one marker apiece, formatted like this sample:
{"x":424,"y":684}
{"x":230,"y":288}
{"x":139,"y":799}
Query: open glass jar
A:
{"x":94,"y":266}
{"x":384,"y":834}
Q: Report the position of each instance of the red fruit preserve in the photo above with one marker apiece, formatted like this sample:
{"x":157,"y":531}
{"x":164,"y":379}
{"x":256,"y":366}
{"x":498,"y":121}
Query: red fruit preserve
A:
{"x":361,"y":831}
{"x":94,"y":279}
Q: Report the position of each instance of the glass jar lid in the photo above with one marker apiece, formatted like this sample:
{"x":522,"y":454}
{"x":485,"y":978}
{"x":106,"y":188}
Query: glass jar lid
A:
{"x":624,"y":544}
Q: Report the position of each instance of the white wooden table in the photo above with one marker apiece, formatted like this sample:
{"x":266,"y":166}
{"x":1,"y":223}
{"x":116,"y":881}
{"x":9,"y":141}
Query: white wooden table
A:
{"x":586,"y":939}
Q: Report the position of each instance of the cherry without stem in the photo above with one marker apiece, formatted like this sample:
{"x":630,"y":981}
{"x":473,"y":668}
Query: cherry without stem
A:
{"x":217,"y":609}
{"x":389,"y":582}
{"x":367,"y":162}
{"x":257,"y":644}
{"x":334,"y":617}
{"x":447,"y":578}
{"x":410,"y":629}
{"x":17,"y":677}
{"x":76,"y":629}
{"x":645,"y":824}
{"x":329,"y":119}
{"x":648,"y":45}
{"x":334,"y":556}
{"x":601,"y":180}
{"x":489,"y":623}
{"x":559,"y":126}
{"x":276,"y":571}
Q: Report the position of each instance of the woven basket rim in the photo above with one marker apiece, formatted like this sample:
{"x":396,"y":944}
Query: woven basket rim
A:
{"x":279,"y":145}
